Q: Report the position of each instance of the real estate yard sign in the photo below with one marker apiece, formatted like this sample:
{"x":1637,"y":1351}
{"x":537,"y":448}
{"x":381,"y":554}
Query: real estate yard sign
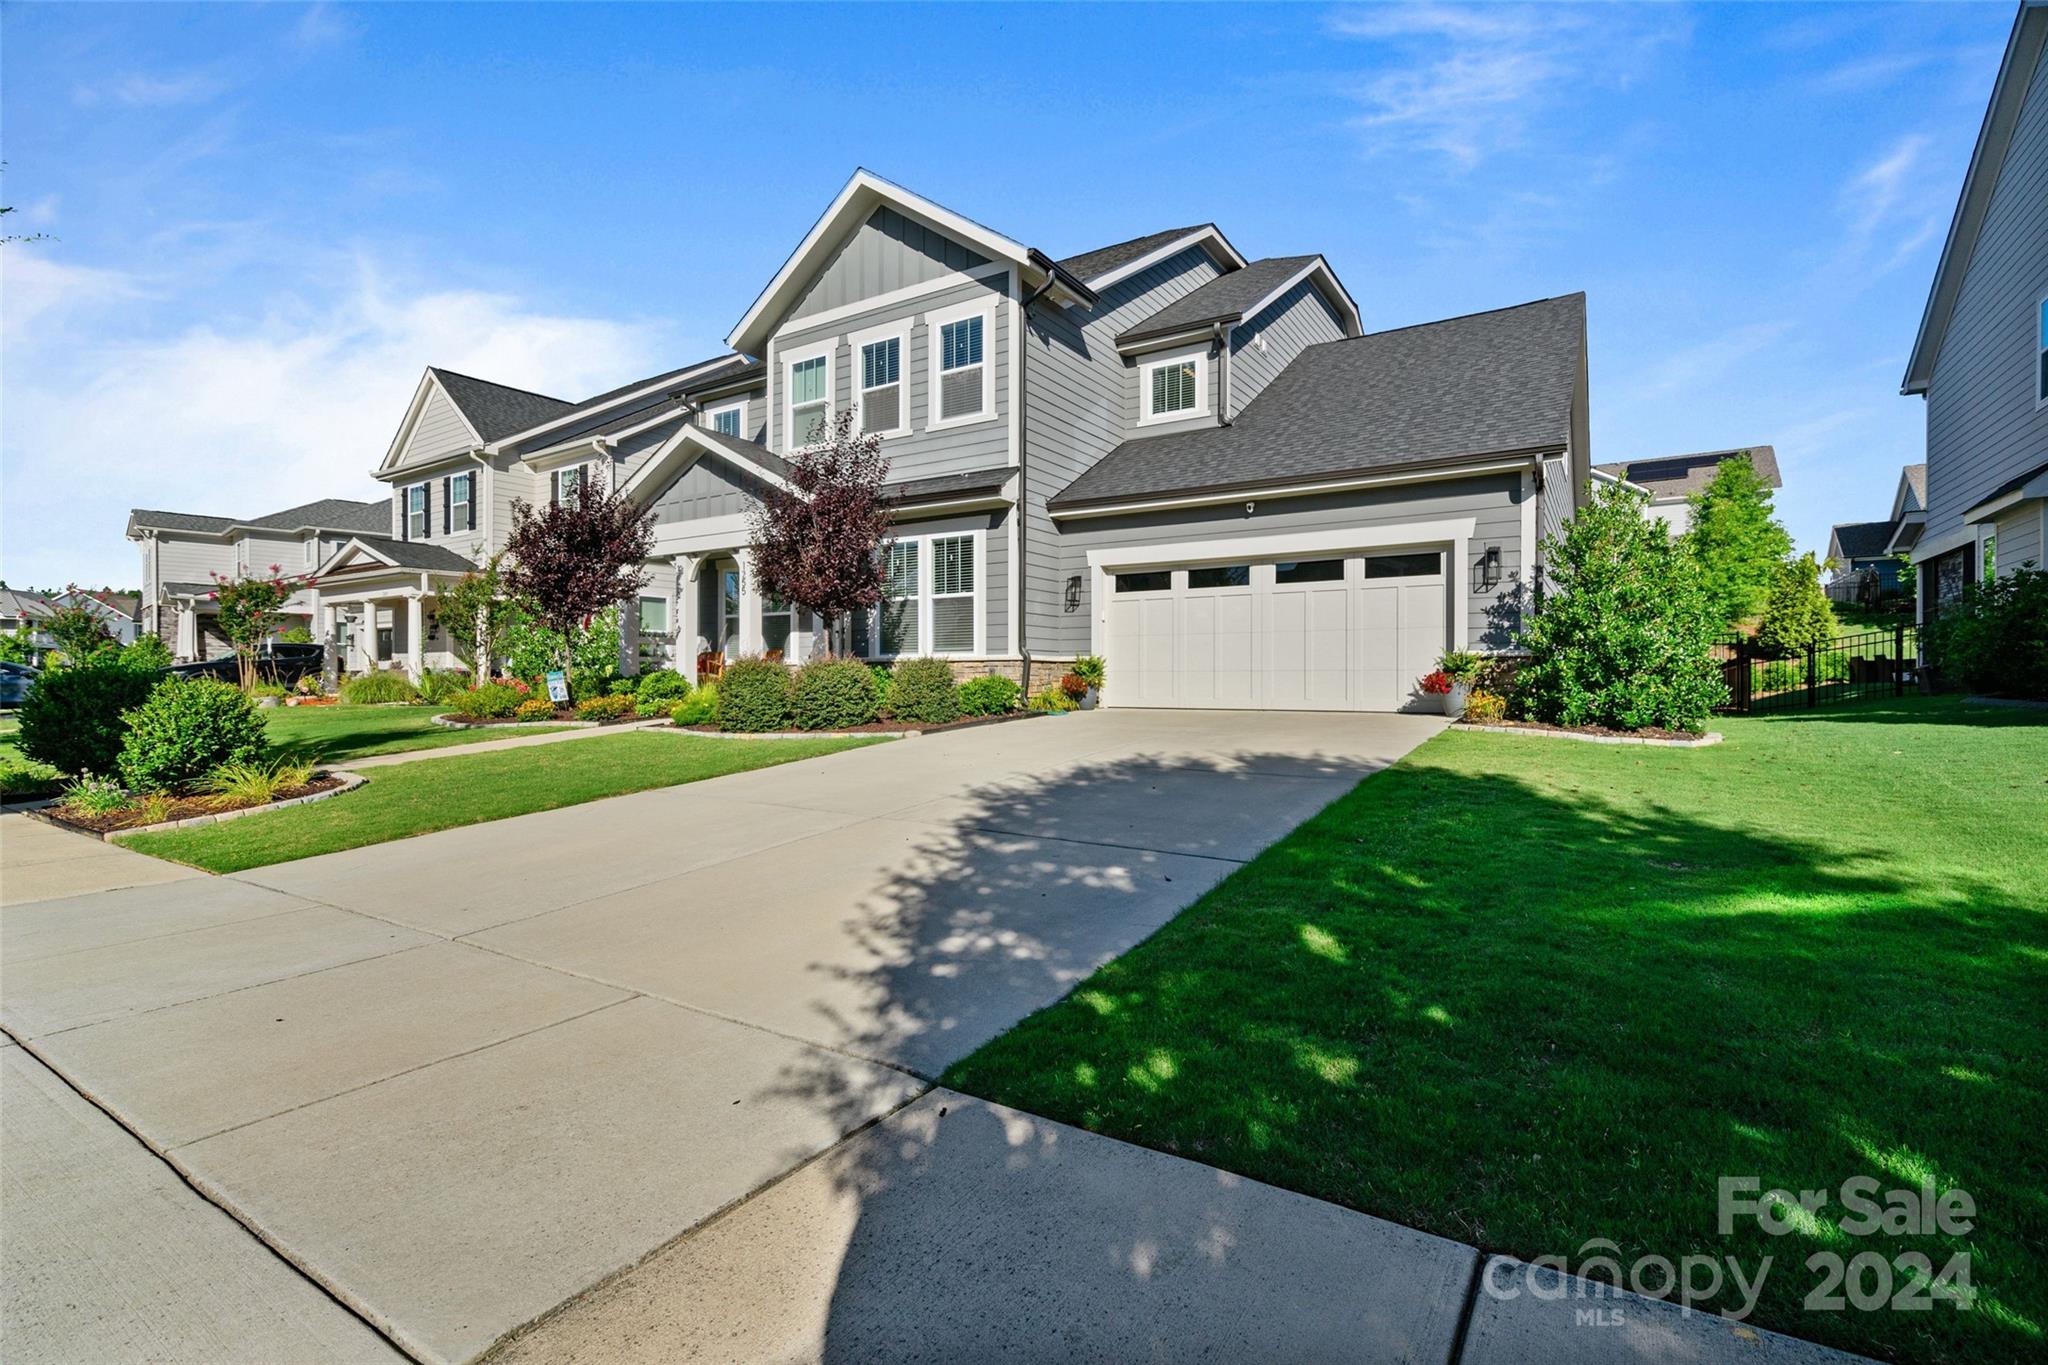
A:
{"x":558,"y":687}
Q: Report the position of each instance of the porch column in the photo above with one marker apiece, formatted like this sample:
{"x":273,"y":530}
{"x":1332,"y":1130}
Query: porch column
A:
{"x":415,"y":635}
{"x":327,"y":627}
{"x":188,"y":631}
{"x":686,"y":616}
{"x":750,"y":602}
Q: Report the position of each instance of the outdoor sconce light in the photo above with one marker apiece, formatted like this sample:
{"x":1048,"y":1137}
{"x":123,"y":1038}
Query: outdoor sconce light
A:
{"x":1073,"y":602}
{"x":1489,"y":567}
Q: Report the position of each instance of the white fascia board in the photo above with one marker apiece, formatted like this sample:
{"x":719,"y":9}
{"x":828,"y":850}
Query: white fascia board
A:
{"x":1209,"y":234}
{"x":1434,"y":475}
{"x":351,"y":546}
{"x":689,"y":443}
{"x":860,"y":196}
{"x":673,"y":381}
{"x":596,"y":442}
{"x":1933,"y":547}
{"x":1281,"y":544}
{"x":407,"y":472}
{"x":1332,"y":290}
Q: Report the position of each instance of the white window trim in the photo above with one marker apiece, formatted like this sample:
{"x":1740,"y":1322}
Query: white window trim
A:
{"x":829,"y":354}
{"x":468,"y":504}
{"x":2040,"y":349}
{"x":739,"y":405}
{"x":1204,"y":402}
{"x":925,"y":566}
{"x":426,"y":513}
{"x":934,"y":322}
{"x":900,"y":333}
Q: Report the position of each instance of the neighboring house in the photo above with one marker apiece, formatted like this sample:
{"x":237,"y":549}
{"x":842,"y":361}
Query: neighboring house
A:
{"x":1191,"y":462}
{"x":1863,"y":556}
{"x":1672,"y":480}
{"x":1981,"y":357}
{"x":18,"y":608}
{"x":181,"y":551}
{"x":118,"y":610}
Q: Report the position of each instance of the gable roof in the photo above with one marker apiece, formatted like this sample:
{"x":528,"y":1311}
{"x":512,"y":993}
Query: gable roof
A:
{"x":1106,"y":265}
{"x":1987,"y":159}
{"x":1240,"y":294}
{"x":1912,"y":494}
{"x":1495,"y":383}
{"x":399,"y":554}
{"x":860,"y":196}
{"x":497,"y":410}
{"x":620,"y":406}
{"x":1861,"y":539}
{"x":1681,"y":476}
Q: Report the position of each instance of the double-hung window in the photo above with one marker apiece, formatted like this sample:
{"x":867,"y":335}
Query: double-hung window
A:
{"x":416,"y":512}
{"x":1173,"y":388}
{"x":461,"y":510}
{"x":881,"y":386}
{"x":810,"y":399}
{"x":900,"y":591}
{"x":566,"y":482}
{"x":952,"y":595}
{"x":963,"y":383}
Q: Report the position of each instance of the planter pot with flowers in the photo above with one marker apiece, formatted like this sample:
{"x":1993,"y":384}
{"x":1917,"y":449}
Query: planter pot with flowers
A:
{"x":1461,"y":669}
{"x":1090,"y":669}
{"x":1441,"y":684}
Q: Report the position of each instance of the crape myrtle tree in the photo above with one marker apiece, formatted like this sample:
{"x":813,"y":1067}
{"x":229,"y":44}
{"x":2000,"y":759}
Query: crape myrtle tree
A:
{"x":251,"y":610}
{"x":577,"y":556}
{"x":817,"y":543}
{"x":476,"y":612}
{"x":1737,"y":540}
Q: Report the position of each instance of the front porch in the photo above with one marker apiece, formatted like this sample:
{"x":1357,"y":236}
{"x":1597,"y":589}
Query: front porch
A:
{"x":375,"y":603}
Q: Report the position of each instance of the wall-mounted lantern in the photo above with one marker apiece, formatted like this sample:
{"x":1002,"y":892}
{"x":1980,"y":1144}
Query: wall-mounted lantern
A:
{"x":1489,"y":568}
{"x":1073,"y":599}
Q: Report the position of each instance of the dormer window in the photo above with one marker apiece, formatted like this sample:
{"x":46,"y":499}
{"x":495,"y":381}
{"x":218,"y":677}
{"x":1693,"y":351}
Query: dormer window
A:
{"x":416,"y":512}
{"x":810,"y":399}
{"x":726,"y":421}
{"x":964,"y":380}
{"x":1173,"y":388}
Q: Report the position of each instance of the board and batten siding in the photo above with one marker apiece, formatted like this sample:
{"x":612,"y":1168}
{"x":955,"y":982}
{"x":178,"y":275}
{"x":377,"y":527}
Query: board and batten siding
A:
{"x":1267,"y":342}
{"x":885,"y":253}
{"x":1983,"y":424}
{"x":1493,"y":501}
{"x":980,"y":444}
{"x":1079,"y":401}
{"x":710,"y":487}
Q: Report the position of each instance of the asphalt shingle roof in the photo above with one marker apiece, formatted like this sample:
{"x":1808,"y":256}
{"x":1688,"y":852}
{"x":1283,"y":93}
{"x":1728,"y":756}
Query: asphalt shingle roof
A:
{"x":498,"y":410}
{"x":339,"y":514}
{"x":418,"y":554}
{"x":1863,"y":539}
{"x":1223,"y":299}
{"x":1104,"y":259}
{"x":1681,"y":476}
{"x":949,"y":485}
{"x":1486,"y":383}
{"x":738,"y":368}
{"x":1916,"y":479}
{"x":601,"y":421}
{"x":177,"y":521}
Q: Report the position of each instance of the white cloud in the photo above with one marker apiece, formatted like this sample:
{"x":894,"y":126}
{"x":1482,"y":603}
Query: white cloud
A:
{"x":298,"y":404}
{"x":1471,"y":80}
{"x":144,"y":91}
{"x":1695,"y":370}
{"x":1894,"y":206}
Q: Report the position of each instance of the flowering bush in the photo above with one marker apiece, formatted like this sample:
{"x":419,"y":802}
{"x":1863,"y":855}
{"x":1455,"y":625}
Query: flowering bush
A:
{"x":1074,"y":685}
{"x":250,"y":611}
{"x":535,"y":708}
{"x":1437,"y":683}
{"x":612,"y":707}
{"x":1486,"y":708}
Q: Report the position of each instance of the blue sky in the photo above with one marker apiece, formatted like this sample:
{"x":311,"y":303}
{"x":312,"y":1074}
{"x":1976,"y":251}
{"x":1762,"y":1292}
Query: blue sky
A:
{"x":265,"y":220}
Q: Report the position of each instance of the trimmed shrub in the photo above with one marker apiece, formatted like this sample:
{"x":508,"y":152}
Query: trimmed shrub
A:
{"x":754,"y":695}
{"x":534,"y":708}
{"x":622,"y":687}
{"x":148,"y":652}
{"x":662,"y":685}
{"x":1994,"y":638}
{"x":699,"y":708}
{"x":988,"y":696}
{"x":614,"y":707}
{"x":73,"y":717}
{"x":492,"y":701}
{"x":1054,"y":699}
{"x":923,"y":690}
{"x":187,"y":729}
{"x":833,"y":694}
{"x":373,"y":689}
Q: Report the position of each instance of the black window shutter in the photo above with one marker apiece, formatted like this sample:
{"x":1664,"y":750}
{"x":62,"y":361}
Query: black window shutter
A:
{"x":445,"y":513}
{"x":472,"y":501}
{"x":405,"y":514}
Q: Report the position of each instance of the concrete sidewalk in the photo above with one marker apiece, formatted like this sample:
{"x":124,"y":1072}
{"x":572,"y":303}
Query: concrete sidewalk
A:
{"x":40,"y":862}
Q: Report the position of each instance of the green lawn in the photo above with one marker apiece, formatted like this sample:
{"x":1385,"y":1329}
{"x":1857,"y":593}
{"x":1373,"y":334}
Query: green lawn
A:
{"x":9,"y":729}
{"x":417,"y":798}
{"x":339,"y":733}
{"x":1525,"y":993}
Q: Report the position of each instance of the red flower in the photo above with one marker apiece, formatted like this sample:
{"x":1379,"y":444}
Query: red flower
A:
{"x":1437,"y":683}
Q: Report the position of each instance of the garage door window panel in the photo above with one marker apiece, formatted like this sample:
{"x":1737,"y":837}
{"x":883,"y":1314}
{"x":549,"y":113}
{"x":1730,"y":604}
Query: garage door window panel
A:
{"x":1422,"y":564}
{"x":1309,"y":571}
{"x":1221,"y":576}
{"x":1156,"y":580}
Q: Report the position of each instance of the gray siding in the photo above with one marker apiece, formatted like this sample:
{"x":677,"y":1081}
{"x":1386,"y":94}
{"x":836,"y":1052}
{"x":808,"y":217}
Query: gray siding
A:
{"x":1264,"y":344}
{"x":192,"y":561}
{"x":955,"y":449}
{"x":1078,"y":401}
{"x":996,"y":583}
{"x":256,"y":553}
{"x":2019,"y":538}
{"x":886,"y":252}
{"x":753,"y":413}
{"x":1493,"y":501}
{"x":439,"y":430}
{"x":1983,"y":427}
{"x":1554,"y":503}
{"x":708,"y":488}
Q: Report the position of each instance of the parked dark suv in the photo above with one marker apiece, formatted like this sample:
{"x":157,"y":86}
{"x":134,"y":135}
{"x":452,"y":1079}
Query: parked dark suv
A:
{"x":275,"y":662}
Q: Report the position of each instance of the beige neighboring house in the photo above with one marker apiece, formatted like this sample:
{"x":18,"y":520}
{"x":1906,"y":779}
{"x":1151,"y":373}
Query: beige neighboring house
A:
{"x":1980,"y":360}
{"x":1672,"y":480}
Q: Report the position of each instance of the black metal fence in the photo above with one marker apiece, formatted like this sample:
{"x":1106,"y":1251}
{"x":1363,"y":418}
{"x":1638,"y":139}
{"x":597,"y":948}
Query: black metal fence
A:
{"x":1876,"y":663}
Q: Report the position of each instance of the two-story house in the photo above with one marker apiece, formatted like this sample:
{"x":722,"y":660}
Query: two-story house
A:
{"x":1194,"y":463}
{"x":1980,"y":360}
{"x":1672,"y":481}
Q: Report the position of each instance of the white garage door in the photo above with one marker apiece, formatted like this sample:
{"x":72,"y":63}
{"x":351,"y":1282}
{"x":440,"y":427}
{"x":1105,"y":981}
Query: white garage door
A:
{"x":1337,"y":633}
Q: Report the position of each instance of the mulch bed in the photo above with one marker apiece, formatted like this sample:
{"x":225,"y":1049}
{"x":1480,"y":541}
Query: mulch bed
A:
{"x":879,"y":727}
{"x":1648,"y":732}
{"x":181,"y":808}
{"x":562,"y":717}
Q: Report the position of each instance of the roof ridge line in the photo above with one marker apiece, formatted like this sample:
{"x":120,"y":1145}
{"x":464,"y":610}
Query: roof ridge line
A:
{"x":1455,"y":317}
{"x":509,"y":388}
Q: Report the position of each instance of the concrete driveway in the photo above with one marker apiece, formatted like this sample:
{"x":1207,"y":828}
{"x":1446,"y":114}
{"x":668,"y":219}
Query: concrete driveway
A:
{"x":460,"y":1079}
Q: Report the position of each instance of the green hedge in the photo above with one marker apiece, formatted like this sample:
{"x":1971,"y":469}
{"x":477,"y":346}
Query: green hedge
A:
{"x":72,"y":719}
{"x":988,"y":696}
{"x":492,"y":701}
{"x":754,"y":695}
{"x":833,"y":694}
{"x":923,"y":690}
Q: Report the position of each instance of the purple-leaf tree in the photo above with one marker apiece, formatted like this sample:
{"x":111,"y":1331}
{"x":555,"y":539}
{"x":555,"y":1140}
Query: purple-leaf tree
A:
{"x":816,"y":544}
{"x":575,"y":557}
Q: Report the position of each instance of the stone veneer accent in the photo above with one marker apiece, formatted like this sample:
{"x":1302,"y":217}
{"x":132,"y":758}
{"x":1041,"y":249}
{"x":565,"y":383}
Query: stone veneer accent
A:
{"x":1046,"y":670}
